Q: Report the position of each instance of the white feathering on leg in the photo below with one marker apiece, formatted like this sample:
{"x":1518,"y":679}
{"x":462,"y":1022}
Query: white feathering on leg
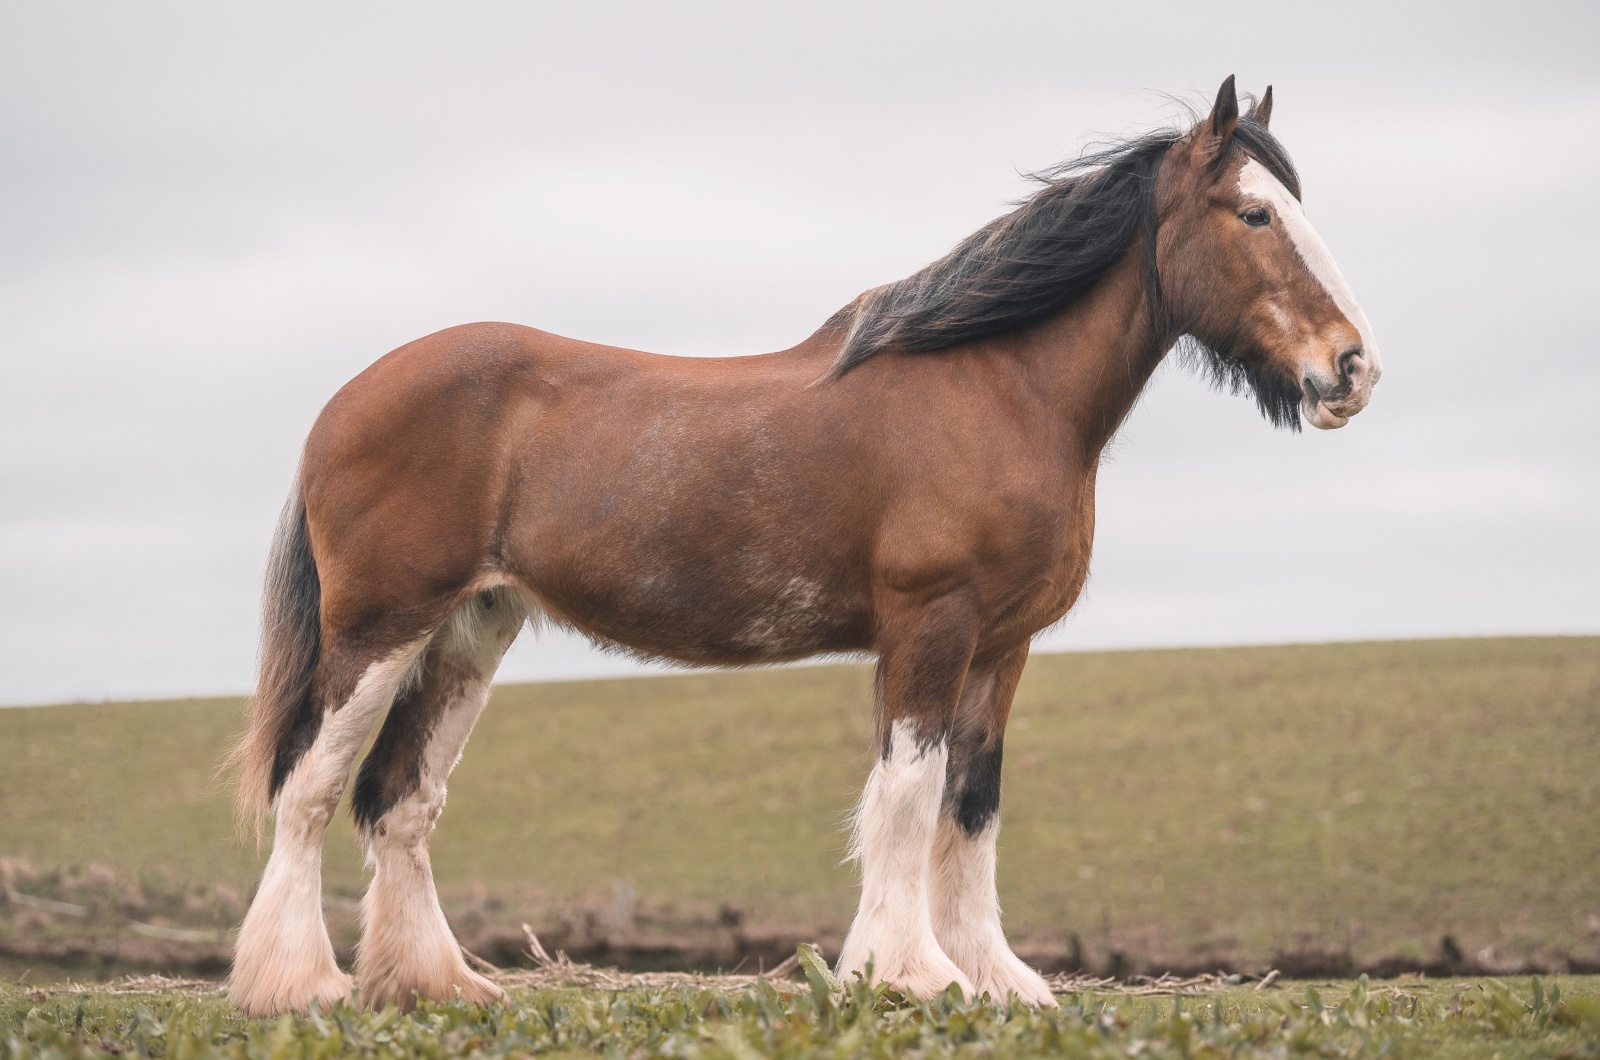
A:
{"x":894,"y":835}
{"x":966,"y":915}
{"x":406,"y":943}
{"x":284,"y":960}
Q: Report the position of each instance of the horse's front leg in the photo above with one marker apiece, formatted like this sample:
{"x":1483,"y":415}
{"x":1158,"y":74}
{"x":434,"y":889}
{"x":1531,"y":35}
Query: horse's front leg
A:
{"x":966,"y":906}
{"x":919,"y":682}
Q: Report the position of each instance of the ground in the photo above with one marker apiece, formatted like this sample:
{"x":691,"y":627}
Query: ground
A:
{"x":1425,"y":804}
{"x":1509,"y":1018}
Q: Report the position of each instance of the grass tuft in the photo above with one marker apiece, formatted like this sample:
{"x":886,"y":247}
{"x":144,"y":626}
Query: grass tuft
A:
{"x":1400,"y":1020}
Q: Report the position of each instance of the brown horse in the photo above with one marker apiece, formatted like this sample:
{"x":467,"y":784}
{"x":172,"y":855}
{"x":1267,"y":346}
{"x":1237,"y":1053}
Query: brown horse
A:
{"x":915,"y":480}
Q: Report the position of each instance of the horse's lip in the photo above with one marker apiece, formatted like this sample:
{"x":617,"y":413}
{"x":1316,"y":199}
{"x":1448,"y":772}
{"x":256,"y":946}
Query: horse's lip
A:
{"x":1324,"y":418}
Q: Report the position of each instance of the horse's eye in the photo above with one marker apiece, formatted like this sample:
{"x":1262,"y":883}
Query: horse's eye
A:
{"x":1256,"y":216}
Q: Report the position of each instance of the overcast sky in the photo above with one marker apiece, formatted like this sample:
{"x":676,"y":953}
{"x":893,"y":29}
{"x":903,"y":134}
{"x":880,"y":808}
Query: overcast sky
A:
{"x":211,"y":217}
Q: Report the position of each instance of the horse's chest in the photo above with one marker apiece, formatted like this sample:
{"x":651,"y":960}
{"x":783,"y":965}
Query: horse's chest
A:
{"x":1043,"y":573}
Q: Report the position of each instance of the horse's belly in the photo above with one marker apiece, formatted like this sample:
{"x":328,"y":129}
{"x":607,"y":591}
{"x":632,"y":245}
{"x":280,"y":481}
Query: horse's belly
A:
{"x":715,"y":621}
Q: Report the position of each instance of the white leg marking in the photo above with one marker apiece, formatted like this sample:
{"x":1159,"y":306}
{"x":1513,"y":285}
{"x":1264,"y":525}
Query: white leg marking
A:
{"x":894,"y":837}
{"x":966,"y":915}
{"x":283,"y":960}
{"x":406,"y":943}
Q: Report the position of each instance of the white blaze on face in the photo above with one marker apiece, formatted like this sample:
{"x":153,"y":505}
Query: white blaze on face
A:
{"x":1256,"y":181}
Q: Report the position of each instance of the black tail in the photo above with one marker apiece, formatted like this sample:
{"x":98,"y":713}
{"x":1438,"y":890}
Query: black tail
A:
{"x":283,"y":719}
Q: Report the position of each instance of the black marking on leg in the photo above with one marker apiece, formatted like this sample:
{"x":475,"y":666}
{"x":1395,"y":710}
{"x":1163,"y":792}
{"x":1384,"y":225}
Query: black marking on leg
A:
{"x":979,"y":798}
{"x":393,"y":768}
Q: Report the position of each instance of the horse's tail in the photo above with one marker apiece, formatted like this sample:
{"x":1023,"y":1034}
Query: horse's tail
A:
{"x":281,"y":713}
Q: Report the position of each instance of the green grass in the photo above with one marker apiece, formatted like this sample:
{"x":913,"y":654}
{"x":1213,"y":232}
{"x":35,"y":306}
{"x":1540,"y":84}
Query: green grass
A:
{"x":1181,"y":804}
{"x":1506,"y":1019}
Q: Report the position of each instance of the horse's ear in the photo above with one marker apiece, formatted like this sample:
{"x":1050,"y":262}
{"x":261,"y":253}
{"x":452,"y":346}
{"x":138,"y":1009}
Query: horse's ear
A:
{"x":1225,"y":113}
{"x":1261,"y":112}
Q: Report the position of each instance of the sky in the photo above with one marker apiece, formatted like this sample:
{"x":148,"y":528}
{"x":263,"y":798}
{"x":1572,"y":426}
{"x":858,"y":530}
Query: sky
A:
{"x":212,"y":216}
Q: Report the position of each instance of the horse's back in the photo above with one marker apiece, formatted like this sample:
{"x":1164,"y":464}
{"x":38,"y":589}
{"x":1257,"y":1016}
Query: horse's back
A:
{"x":492,"y":448}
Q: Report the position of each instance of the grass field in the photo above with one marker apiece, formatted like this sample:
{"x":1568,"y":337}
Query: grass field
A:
{"x":1173,"y":807}
{"x":1503,"y":1019}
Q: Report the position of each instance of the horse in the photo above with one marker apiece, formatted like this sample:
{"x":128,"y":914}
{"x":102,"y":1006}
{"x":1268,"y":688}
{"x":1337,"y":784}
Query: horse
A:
{"x":915,"y":481}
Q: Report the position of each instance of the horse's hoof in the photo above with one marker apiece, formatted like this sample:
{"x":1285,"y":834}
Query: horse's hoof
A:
{"x":463,"y":985}
{"x":1011,"y":978}
{"x":256,"y":998}
{"x":926,"y":982}
{"x":922,"y":975}
{"x":476,"y":990}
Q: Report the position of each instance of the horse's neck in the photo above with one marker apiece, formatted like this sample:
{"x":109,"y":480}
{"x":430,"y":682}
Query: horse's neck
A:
{"x":1093,"y":359}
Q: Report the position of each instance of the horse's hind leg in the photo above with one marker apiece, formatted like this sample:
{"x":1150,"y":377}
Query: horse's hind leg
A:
{"x":966,"y":906}
{"x":283,"y":960}
{"x":407,"y":948}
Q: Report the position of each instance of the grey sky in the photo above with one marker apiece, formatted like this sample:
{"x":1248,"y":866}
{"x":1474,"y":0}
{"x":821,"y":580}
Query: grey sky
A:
{"x":211,"y":217}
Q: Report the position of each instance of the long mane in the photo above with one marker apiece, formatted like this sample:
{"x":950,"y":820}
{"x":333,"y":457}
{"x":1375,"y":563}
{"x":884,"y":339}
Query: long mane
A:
{"x":1042,"y":256}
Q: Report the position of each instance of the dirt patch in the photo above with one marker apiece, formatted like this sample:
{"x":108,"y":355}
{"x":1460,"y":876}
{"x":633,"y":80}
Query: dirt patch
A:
{"x":91,"y":923}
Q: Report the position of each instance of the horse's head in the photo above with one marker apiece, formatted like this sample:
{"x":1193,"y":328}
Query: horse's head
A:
{"x":1245,"y":274}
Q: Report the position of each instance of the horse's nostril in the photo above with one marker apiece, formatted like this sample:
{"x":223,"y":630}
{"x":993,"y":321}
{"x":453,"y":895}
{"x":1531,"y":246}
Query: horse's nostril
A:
{"x":1351,"y":364}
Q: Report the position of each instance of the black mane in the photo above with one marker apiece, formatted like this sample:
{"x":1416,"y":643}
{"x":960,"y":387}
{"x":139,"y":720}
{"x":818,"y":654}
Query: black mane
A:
{"x":1045,"y":254}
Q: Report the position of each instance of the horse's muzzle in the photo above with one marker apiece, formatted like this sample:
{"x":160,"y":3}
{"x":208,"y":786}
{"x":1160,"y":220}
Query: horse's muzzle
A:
{"x":1328,"y":402}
